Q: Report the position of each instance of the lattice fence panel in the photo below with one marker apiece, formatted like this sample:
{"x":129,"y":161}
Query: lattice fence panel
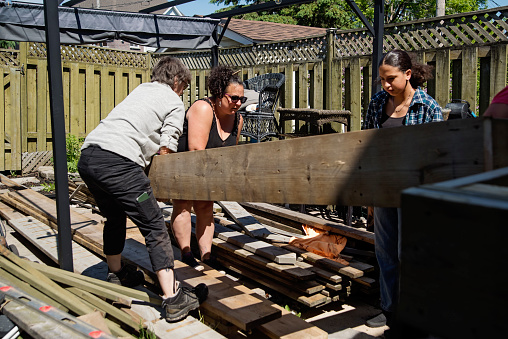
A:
{"x":310,"y":49}
{"x":9,"y":57}
{"x":92,"y":54}
{"x":32,"y":161}
{"x":453,"y":31}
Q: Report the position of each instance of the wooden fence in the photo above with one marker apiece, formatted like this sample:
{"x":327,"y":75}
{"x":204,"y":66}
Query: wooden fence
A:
{"x":94,"y":80}
{"x":332,"y":71}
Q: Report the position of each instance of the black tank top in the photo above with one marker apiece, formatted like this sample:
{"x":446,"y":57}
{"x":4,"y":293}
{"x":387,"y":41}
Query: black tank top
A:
{"x":214,"y":139}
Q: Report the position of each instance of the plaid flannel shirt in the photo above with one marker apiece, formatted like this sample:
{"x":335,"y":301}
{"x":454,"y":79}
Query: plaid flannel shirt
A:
{"x":423,"y":109}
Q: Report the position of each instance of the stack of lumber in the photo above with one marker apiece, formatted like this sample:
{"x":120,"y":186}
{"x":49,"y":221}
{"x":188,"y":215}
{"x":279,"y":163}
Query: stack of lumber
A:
{"x":79,"y":192}
{"x":229,"y":307}
{"x":265,"y":257}
{"x":359,"y":251}
{"x":73,"y":295}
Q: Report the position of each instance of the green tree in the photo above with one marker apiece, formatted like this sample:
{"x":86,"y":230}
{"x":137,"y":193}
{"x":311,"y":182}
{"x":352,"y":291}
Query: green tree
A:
{"x":338,"y":14}
{"x":7,"y":44}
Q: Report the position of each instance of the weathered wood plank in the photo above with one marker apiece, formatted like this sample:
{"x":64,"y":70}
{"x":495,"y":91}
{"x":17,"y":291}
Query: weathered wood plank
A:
{"x":255,"y":246}
{"x":304,"y":287}
{"x":364,"y":168}
{"x":288,"y":271}
{"x":244,"y":219}
{"x":290,"y":326}
{"x":310,"y":301}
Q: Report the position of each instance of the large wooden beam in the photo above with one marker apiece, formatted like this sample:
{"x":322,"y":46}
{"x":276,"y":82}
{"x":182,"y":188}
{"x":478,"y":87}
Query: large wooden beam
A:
{"x":356,"y":168}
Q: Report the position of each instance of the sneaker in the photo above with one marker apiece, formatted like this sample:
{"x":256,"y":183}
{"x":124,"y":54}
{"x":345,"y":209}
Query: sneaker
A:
{"x":377,"y":321}
{"x":188,"y":258}
{"x":185,"y":300}
{"x":128,"y":276}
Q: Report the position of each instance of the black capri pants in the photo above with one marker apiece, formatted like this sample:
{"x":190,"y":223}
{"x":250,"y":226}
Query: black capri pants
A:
{"x":121,"y":188}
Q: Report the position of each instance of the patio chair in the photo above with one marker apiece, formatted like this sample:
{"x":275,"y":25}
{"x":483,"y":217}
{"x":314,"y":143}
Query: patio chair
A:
{"x":261,"y":123}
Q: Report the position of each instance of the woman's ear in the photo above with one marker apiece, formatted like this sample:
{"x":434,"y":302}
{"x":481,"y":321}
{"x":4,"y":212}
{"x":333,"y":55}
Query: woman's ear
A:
{"x":408,"y":74}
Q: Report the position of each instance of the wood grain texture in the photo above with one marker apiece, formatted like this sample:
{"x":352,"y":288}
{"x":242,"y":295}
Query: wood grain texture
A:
{"x":255,"y":246}
{"x":364,"y":168}
{"x":291,"y":272}
{"x":244,"y":219}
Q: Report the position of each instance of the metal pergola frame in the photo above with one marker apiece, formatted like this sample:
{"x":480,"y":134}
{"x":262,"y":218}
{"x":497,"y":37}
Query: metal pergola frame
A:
{"x":52,"y":32}
{"x":377,"y":31}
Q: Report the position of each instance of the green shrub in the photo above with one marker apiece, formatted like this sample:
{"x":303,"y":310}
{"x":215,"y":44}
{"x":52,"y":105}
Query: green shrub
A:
{"x":73,"y":145}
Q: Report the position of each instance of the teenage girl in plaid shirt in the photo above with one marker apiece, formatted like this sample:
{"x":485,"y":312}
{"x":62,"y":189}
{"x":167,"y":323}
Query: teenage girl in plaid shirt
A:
{"x":401,"y":102}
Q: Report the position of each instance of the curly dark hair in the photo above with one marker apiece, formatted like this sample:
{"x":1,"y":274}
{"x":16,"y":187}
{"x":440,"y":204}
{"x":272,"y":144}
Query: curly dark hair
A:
{"x":220,"y":78}
{"x":404,"y":61}
{"x":169,"y":68}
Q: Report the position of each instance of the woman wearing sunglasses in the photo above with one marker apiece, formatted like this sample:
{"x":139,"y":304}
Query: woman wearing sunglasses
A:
{"x":209,"y":123}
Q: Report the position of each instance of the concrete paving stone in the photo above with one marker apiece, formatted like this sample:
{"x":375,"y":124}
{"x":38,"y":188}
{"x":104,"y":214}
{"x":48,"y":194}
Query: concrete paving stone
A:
{"x":47,"y":172}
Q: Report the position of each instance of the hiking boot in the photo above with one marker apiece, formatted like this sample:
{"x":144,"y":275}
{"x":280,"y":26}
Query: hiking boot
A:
{"x":188,"y":258}
{"x":127,"y":276}
{"x":185,"y":300}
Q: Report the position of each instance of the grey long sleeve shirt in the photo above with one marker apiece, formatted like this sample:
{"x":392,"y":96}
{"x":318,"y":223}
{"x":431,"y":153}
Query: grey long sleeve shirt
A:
{"x":150,"y":117}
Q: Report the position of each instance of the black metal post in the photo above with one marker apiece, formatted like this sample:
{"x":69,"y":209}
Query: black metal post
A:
{"x":58,"y":134}
{"x":215,"y":56}
{"x":377,"y":50}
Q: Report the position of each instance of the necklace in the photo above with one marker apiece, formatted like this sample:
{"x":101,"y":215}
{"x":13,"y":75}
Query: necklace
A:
{"x":395,"y":110}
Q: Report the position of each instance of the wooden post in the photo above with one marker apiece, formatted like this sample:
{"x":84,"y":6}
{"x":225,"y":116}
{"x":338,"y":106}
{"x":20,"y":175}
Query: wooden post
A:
{"x":22,"y":68}
{"x":469,"y":75}
{"x":442,"y":77}
{"x":337,"y":84}
{"x":367,"y":87}
{"x":288,"y":94}
{"x":318,"y":85}
{"x":330,"y":54}
{"x":303,"y":90}
{"x":356,"y":94}
{"x":457,"y":79}
{"x":498,"y":69}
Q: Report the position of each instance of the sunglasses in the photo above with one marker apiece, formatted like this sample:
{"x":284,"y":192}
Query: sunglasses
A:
{"x":235,"y":98}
